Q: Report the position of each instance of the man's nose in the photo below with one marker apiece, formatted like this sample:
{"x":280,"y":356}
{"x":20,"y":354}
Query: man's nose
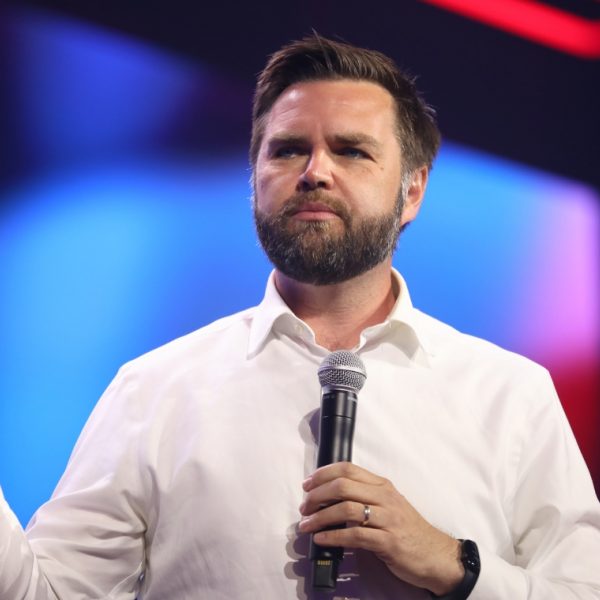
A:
{"x":318,"y":172}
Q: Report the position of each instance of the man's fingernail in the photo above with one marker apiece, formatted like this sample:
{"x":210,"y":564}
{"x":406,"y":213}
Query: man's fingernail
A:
{"x":306,"y":484}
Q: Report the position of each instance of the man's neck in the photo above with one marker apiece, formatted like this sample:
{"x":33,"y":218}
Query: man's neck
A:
{"x":338,"y":313}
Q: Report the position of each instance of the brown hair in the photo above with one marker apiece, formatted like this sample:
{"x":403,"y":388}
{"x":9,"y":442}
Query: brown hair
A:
{"x":316,"y":58}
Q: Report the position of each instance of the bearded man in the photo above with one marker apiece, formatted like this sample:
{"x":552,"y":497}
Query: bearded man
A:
{"x":187,"y":479}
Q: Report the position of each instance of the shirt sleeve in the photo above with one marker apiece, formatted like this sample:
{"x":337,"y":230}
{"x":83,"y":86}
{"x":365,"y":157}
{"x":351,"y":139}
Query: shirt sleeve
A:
{"x":87,"y":541}
{"x":20,"y":574}
{"x":554,"y":515}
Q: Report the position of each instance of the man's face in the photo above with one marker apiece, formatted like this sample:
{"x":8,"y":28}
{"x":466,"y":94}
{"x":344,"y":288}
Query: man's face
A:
{"x":328,"y":177}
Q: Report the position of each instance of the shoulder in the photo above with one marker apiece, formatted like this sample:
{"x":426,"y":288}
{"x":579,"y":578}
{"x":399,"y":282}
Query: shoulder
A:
{"x":212,"y":346}
{"x":170,"y":383}
{"x":473,"y":359}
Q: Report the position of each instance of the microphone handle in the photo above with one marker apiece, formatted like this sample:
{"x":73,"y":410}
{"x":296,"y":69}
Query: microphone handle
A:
{"x":338,"y":413}
{"x":336,"y":433}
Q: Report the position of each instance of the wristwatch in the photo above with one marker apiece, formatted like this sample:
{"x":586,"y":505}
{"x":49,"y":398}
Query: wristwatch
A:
{"x":469,"y":557}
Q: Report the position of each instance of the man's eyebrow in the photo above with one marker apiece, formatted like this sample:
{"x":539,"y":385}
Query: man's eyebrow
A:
{"x":341,"y":139}
{"x":284,"y":138}
{"x":357,"y":139}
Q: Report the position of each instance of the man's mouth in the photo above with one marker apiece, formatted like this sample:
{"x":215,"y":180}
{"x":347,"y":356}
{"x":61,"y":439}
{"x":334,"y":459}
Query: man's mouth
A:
{"x":314,"y":211}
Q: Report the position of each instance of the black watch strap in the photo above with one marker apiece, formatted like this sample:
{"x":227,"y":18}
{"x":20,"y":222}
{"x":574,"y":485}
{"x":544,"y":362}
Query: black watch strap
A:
{"x":469,"y":556}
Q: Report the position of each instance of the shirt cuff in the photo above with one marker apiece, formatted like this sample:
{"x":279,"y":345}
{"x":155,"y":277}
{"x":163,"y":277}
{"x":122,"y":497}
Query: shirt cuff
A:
{"x":499,"y":580}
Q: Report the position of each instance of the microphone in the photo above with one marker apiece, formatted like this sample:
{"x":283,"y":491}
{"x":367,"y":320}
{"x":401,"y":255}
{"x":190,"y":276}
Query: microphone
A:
{"x":342,"y":375}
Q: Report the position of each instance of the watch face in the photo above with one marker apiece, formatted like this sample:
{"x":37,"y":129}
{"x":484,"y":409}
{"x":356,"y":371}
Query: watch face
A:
{"x":470,"y":556}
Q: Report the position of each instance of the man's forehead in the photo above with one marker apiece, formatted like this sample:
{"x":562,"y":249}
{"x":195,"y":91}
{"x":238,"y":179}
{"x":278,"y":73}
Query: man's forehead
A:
{"x":350,"y":106}
{"x":349,"y":91}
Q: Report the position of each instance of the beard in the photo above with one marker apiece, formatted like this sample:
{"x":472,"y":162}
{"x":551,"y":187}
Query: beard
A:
{"x":317,"y":252}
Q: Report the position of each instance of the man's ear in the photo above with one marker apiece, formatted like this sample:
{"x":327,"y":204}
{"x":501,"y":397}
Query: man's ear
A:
{"x":415,"y":194}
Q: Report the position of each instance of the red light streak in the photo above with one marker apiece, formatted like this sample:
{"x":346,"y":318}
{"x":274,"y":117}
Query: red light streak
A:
{"x":534,"y":21}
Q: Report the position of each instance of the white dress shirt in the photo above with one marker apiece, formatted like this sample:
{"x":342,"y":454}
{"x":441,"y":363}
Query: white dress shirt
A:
{"x":186,"y":480}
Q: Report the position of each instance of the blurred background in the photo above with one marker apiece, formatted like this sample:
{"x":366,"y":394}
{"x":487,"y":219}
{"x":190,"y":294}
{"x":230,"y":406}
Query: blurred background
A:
{"x":124,"y":200}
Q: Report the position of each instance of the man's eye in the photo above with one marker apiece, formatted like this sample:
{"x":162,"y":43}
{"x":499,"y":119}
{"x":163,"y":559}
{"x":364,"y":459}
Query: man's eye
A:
{"x":287,"y":152}
{"x":353,"y":153}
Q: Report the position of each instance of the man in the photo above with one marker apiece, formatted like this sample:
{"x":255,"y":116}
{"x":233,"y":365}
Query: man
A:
{"x":186,"y":481}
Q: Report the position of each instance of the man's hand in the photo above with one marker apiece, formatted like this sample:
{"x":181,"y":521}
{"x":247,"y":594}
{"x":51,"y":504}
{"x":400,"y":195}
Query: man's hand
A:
{"x":412,"y":549}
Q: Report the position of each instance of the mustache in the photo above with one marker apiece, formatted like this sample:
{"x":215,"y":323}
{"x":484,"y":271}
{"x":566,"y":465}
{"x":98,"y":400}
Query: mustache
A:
{"x":295,"y":203}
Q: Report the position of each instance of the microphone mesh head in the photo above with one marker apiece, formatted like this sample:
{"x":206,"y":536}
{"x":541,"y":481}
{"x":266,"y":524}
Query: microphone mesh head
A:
{"x":344,"y":370}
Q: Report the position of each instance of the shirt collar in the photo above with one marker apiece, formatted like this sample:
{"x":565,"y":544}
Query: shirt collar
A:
{"x":273,"y":315}
{"x":271,"y":311}
{"x":404,"y":314}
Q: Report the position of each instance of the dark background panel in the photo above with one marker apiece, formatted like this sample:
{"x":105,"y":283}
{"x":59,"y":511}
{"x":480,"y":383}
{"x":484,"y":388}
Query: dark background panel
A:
{"x":493,"y":90}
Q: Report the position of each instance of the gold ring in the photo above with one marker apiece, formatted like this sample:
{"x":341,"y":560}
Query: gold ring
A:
{"x":366,"y":514}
